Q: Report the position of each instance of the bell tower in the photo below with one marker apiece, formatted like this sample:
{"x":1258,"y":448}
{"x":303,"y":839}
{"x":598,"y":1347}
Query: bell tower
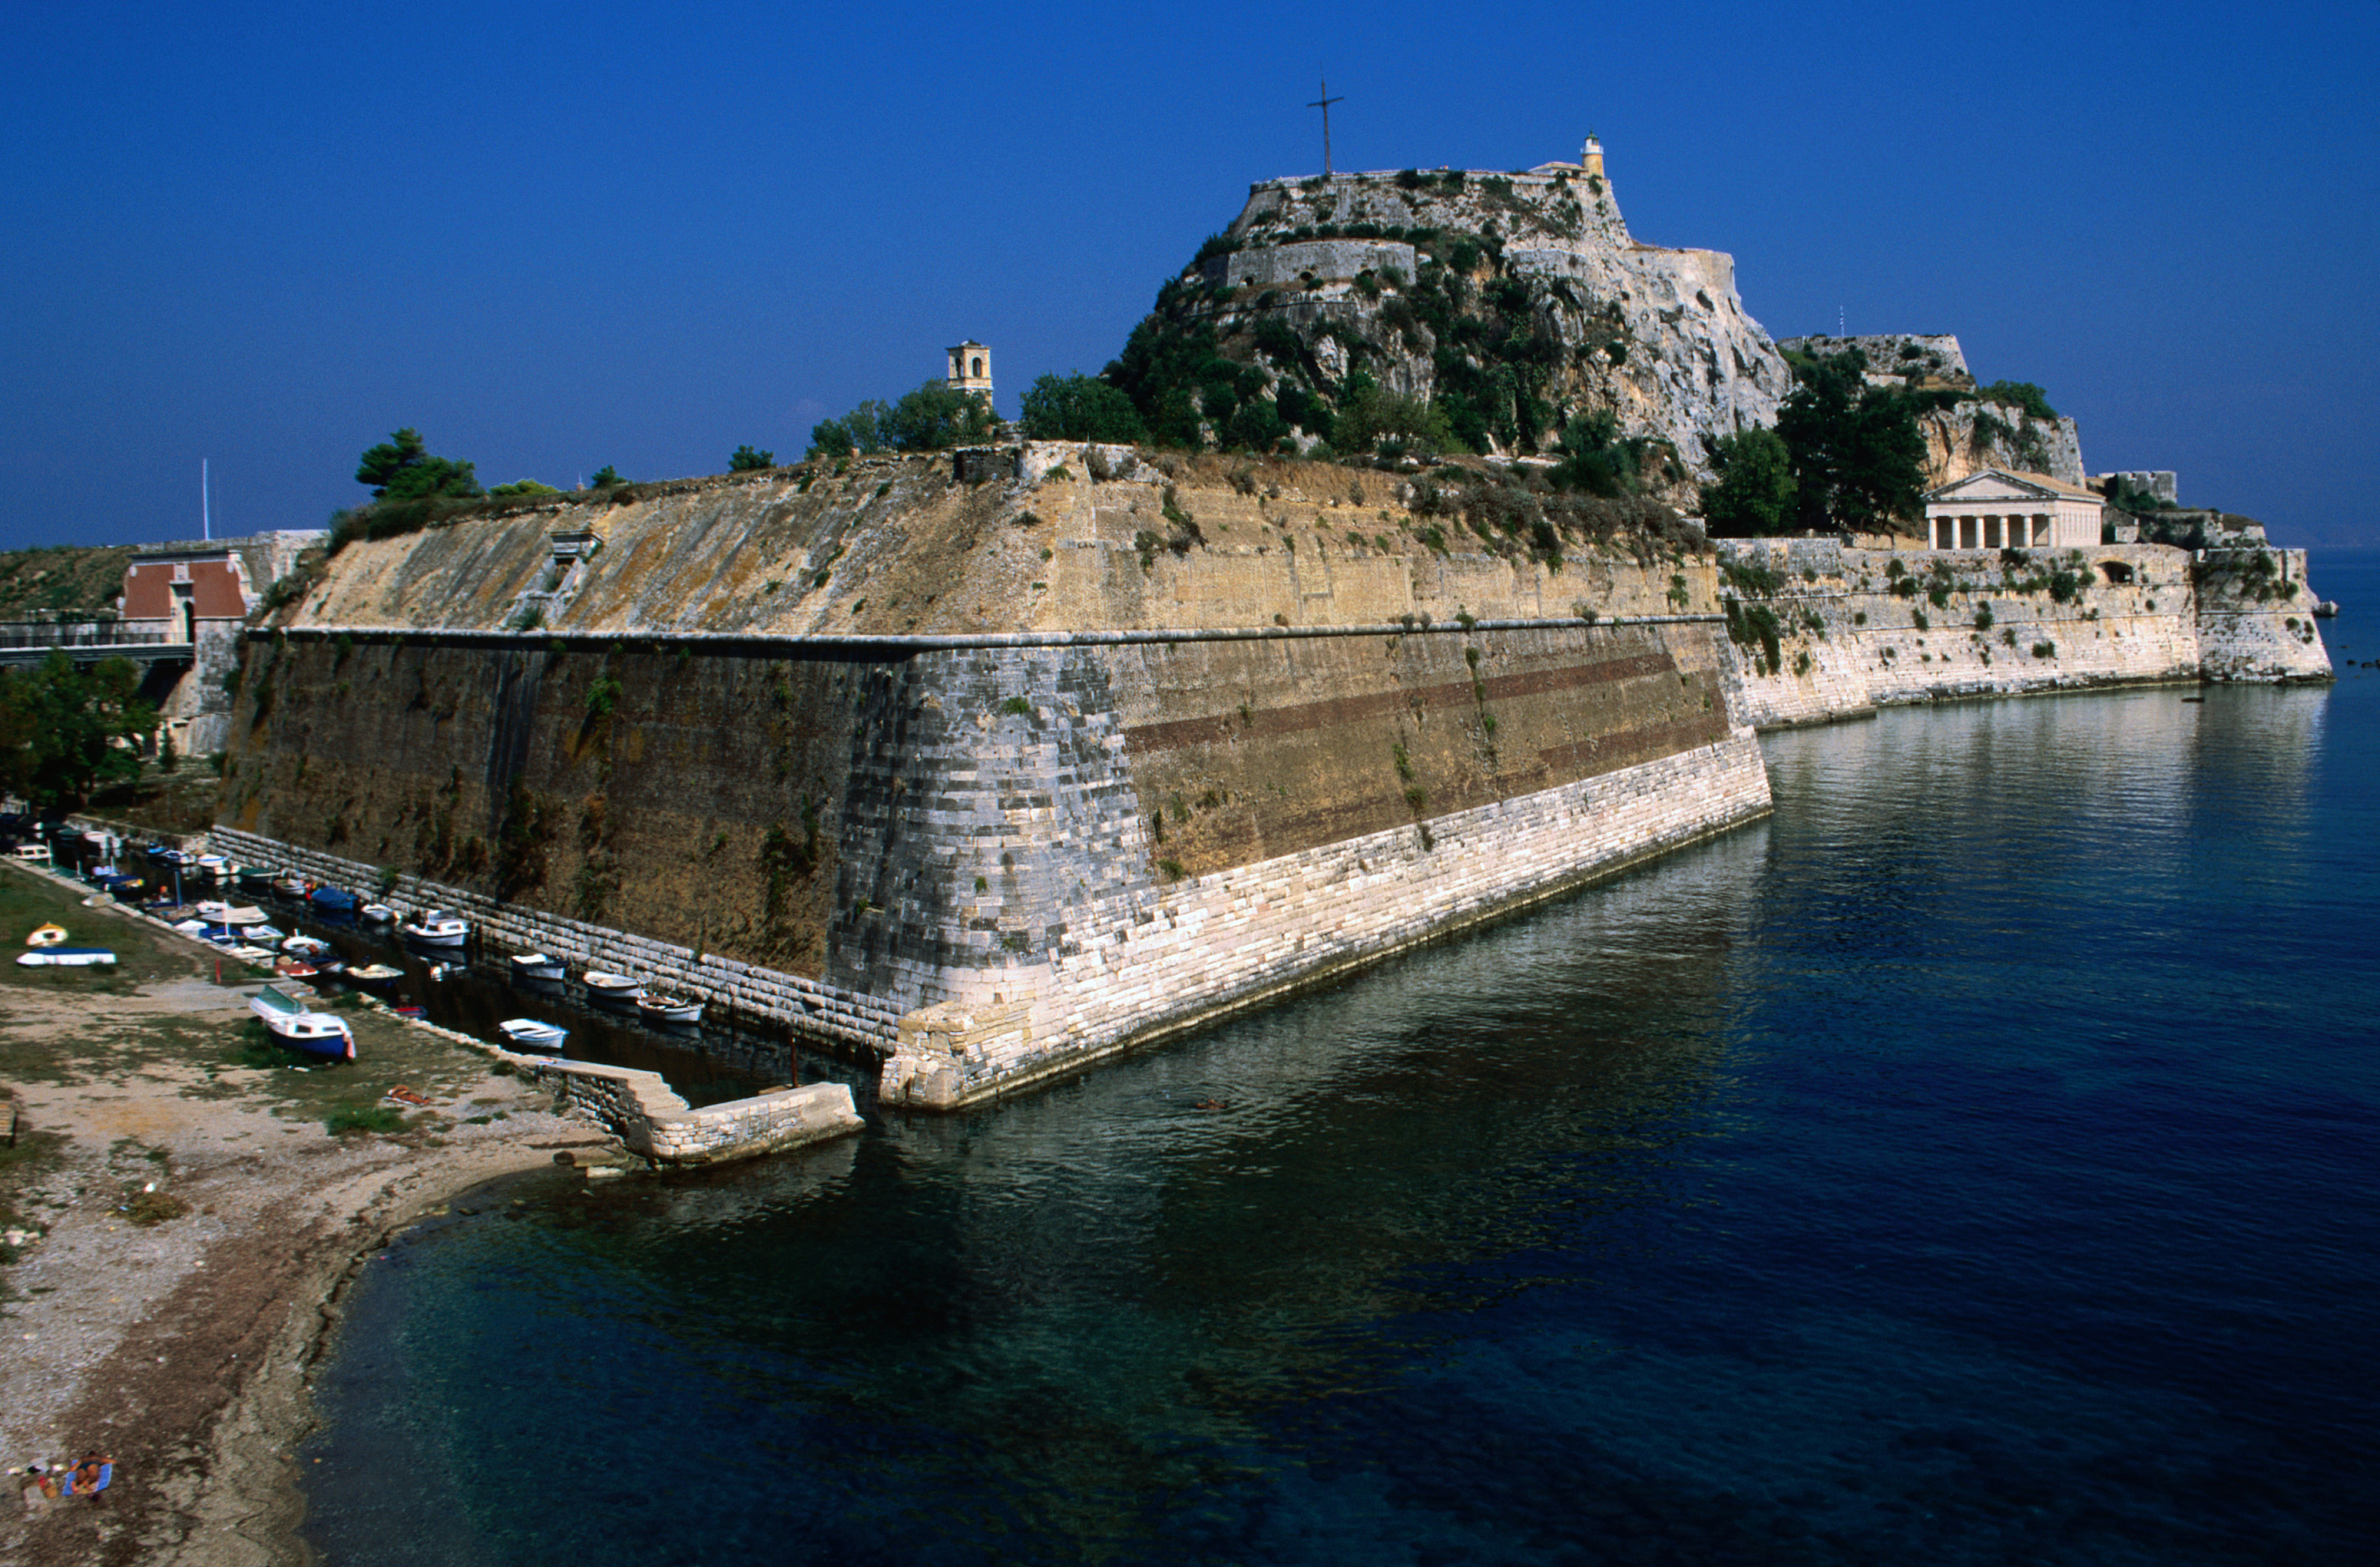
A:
{"x":970,"y":367}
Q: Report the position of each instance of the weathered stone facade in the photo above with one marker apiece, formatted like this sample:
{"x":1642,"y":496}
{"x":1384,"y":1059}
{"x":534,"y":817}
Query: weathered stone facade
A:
{"x":2142,"y":614}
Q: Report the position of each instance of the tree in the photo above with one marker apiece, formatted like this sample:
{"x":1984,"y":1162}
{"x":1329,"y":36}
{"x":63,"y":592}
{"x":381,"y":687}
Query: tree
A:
{"x":63,"y":732}
{"x":936,"y":416}
{"x":1754,"y":495}
{"x":606,"y":477}
{"x":1081,"y":407}
{"x":858,"y":430}
{"x":748,"y":461}
{"x":1857,"y":458}
{"x":401,"y":468}
{"x":521,"y":486}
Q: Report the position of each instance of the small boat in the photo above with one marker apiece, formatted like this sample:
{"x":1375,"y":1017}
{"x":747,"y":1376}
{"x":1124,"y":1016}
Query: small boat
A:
{"x":531,"y":1035}
{"x":290,"y":886}
{"x":214,"y":864}
{"x":307,"y":947}
{"x":66,"y":957}
{"x":614,"y":989}
{"x":251,"y":954}
{"x":448,"y":971}
{"x":168,"y":857}
{"x":330,"y":968}
{"x":535,"y":966}
{"x":374,"y":975}
{"x":191,"y":927}
{"x":436,"y":927}
{"x":376,"y":914}
{"x":254,"y":883}
{"x":231,"y":914}
{"x":300,"y":1027}
{"x":45,"y":936}
{"x":295,"y":968}
{"x":335,"y":901}
{"x":669,"y":1006}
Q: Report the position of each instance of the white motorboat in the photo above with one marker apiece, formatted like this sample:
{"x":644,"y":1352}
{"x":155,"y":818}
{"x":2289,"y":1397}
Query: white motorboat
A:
{"x":617,"y":989}
{"x":529,"y":1034}
{"x":248,"y":954}
{"x":535,"y":966}
{"x":294,"y":1024}
{"x":307,"y":947}
{"x":376,"y":914}
{"x":214,"y":864}
{"x":669,"y":1006}
{"x":375,"y":975}
{"x":291,"y":886}
{"x":436,"y":927}
{"x":66,"y":957}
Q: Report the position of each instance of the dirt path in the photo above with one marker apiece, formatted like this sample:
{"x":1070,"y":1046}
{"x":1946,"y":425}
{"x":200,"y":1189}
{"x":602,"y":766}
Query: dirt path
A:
{"x":190,"y":1220}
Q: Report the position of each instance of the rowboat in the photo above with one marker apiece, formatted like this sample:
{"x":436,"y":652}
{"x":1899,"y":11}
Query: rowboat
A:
{"x":214,"y":864}
{"x":299,"y":1027}
{"x":307,"y":947}
{"x":254,"y":883}
{"x":374,"y":975}
{"x":669,"y":1006}
{"x":529,"y":1034}
{"x":376,"y":914}
{"x":289,"y":887}
{"x":535,"y":966}
{"x":295,"y":968}
{"x":66,"y":957}
{"x":45,"y":936}
{"x":614,"y":989}
{"x":436,"y":927}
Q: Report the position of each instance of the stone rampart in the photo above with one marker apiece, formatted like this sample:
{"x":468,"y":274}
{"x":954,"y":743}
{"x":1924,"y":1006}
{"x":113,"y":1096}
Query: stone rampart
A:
{"x":810,"y":747}
{"x":1977,"y":625}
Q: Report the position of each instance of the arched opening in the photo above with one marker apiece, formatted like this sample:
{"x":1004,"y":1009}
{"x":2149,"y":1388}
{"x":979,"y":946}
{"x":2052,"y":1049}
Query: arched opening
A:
{"x":2118,"y":572}
{"x":978,"y":371}
{"x":189,"y":622}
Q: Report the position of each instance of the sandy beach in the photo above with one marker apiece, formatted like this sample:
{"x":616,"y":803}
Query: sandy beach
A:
{"x":187,"y":1221}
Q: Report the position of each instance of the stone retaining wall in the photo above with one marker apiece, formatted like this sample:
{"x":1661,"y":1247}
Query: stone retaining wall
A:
{"x":646,"y":1114}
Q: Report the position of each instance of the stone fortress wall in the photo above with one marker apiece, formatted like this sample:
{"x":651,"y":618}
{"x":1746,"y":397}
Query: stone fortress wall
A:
{"x":2143,"y":614}
{"x":991,"y":777}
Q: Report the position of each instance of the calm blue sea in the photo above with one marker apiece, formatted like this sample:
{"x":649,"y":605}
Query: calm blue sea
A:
{"x":1974,"y":1164}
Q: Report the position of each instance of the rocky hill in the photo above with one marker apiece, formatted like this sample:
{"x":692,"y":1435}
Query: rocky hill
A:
{"x":61,"y":580}
{"x":1967,"y":427}
{"x":1510,"y":302}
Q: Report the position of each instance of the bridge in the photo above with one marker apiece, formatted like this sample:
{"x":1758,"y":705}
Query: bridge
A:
{"x":27,"y":643}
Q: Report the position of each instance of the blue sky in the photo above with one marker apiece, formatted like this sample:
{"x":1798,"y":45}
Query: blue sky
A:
{"x":557,"y":236}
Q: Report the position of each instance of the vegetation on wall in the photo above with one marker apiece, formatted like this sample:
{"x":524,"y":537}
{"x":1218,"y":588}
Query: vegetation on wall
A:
{"x":1079,"y":407}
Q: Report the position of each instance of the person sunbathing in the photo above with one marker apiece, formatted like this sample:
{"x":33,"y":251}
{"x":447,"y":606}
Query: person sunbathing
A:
{"x":91,"y":1475}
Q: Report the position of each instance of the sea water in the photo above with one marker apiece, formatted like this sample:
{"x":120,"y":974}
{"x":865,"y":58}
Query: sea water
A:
{"x":1975,"y":1162}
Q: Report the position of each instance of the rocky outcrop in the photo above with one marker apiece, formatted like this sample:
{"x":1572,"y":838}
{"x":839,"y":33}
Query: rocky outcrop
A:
{"x":1513,"y":301}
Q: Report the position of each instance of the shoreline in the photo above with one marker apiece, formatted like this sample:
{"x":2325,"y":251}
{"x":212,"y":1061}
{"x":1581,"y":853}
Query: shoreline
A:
{"x":184,"y":1348}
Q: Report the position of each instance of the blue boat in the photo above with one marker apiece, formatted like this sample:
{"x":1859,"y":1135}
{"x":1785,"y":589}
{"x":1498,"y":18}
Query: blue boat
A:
{"x":336,"y":901}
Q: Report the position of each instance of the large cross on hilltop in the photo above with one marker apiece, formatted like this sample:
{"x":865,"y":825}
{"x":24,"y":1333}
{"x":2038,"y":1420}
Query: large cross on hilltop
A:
{"x":1323,"y":103}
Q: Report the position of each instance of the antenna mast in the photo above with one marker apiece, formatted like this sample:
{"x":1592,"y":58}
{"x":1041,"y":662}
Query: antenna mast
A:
{"x":206,"y":509}
{"x":1323,"y":103}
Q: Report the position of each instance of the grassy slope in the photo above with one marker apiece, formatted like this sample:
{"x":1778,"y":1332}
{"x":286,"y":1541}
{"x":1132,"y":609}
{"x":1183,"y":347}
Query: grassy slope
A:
{"x":64,"y":577}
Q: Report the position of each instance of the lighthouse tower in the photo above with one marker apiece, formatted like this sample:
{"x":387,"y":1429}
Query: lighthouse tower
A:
{"x":1590,"y":156}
